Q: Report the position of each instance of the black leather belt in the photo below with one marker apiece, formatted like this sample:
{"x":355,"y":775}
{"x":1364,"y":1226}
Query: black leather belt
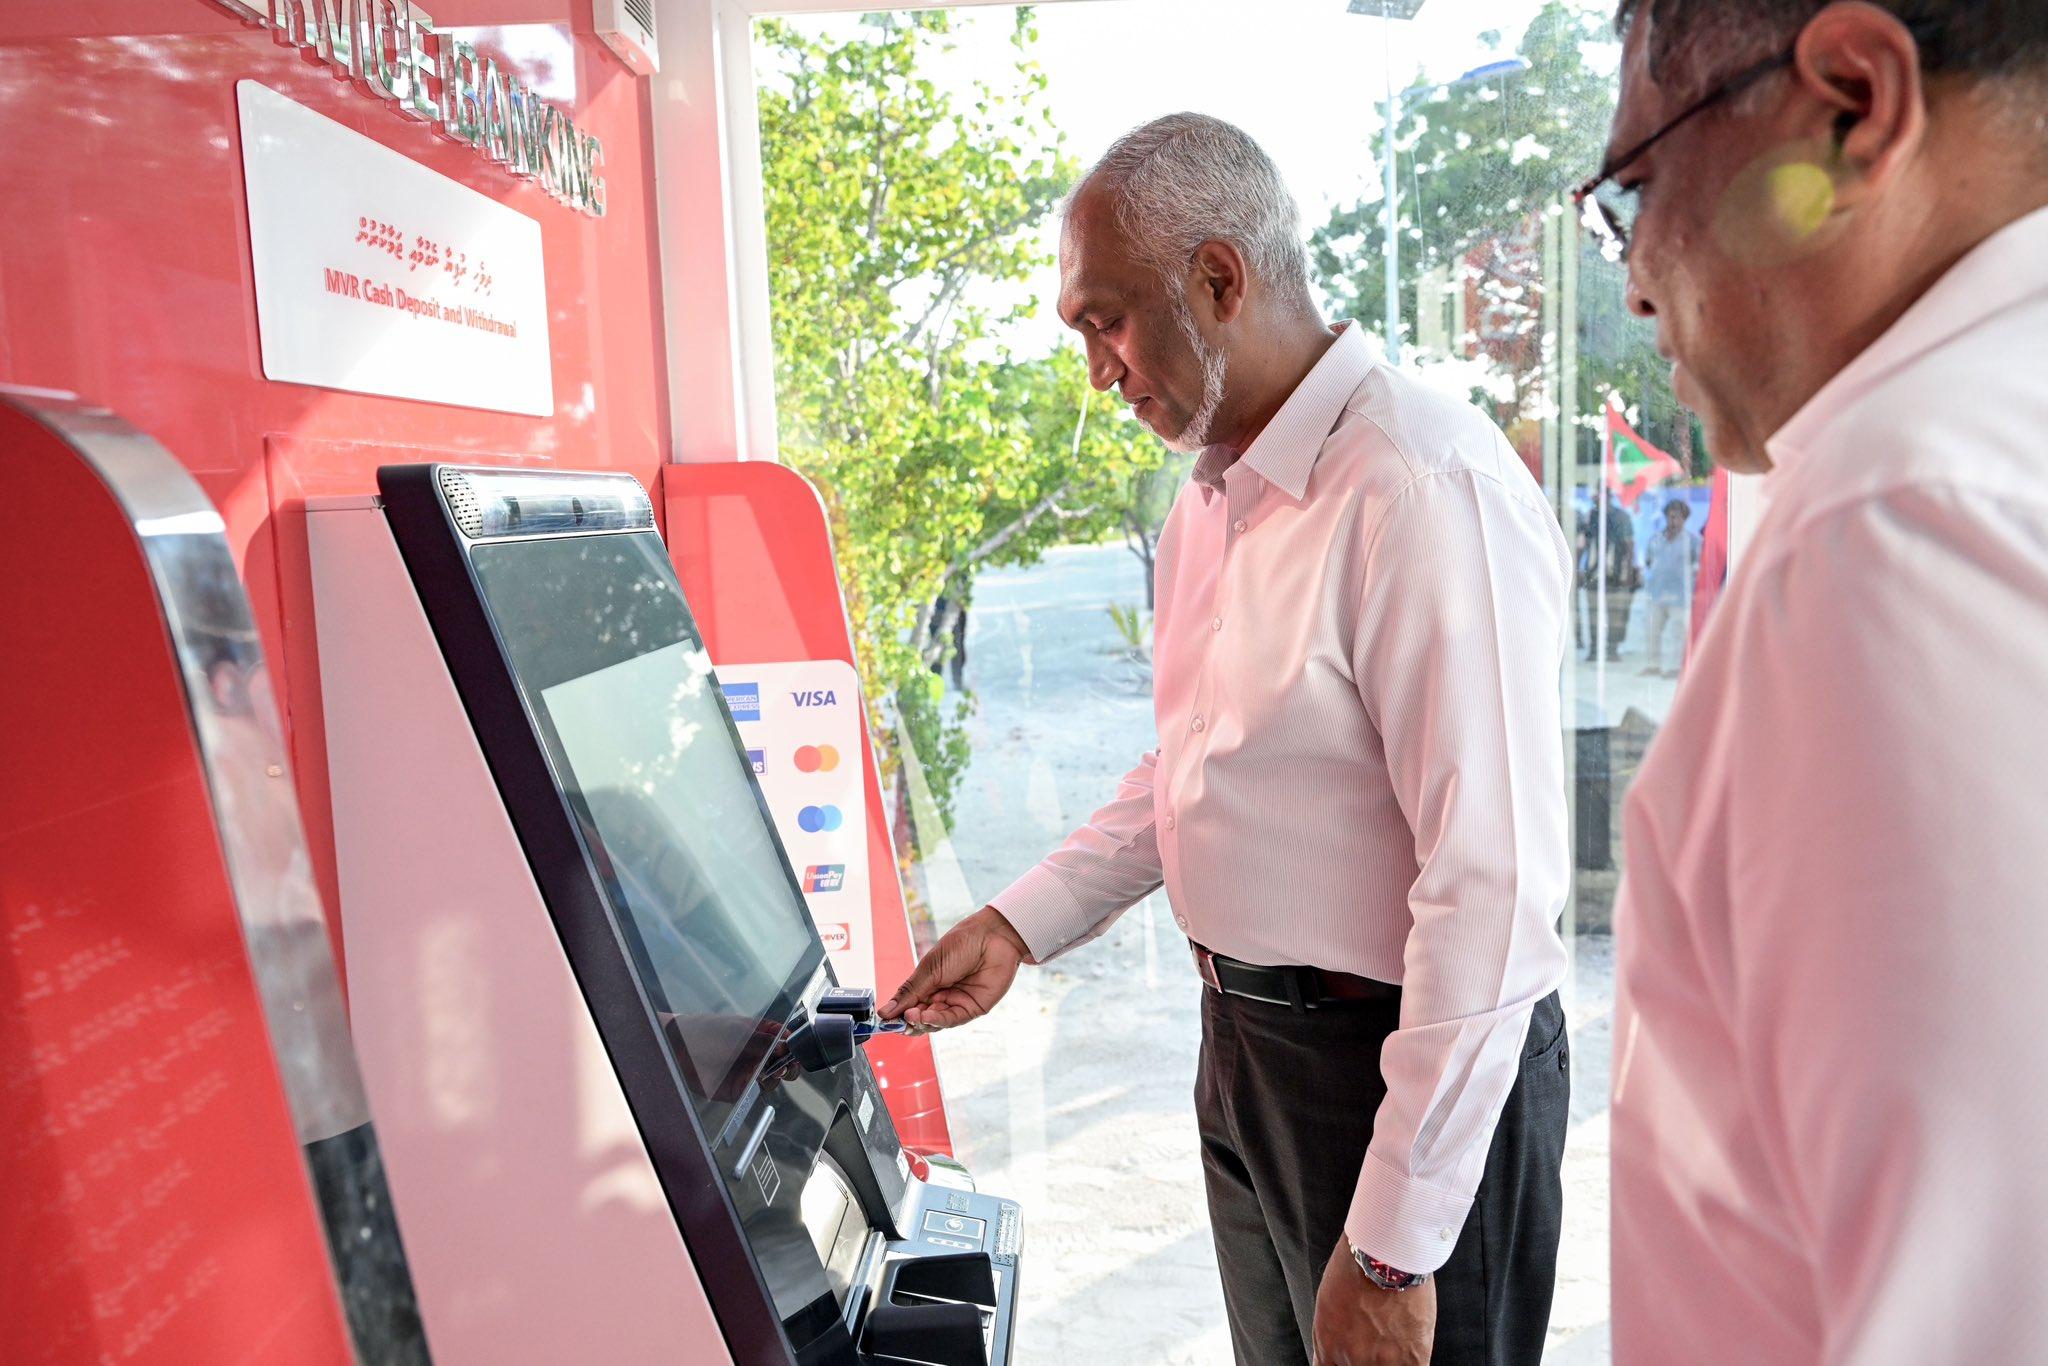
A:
{"x":1303,"y":988}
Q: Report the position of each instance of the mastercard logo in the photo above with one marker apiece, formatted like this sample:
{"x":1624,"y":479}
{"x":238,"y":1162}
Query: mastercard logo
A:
{"x":816,"y":759}
{"x":815,"y":819}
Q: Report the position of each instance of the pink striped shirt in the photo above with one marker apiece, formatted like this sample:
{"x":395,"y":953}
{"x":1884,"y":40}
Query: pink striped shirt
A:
{"x":1356,"y":652}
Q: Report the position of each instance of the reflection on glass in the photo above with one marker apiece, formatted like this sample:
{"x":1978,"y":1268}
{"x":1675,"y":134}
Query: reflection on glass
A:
{"x":631,"y":713}
{"x":702,"y":877}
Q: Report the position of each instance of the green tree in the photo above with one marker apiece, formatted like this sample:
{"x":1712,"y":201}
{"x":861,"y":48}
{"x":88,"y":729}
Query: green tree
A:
{"x":1146,"y":497}
{"x":901,"y":224}
{"x":1479,"y":166}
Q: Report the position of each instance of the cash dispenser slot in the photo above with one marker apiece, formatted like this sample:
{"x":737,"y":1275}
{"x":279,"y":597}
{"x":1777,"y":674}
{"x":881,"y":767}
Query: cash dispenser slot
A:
{"x":935,"y":1310}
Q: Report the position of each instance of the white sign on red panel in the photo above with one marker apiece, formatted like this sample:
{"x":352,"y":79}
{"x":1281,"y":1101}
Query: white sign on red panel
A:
{"x":378,"y":275}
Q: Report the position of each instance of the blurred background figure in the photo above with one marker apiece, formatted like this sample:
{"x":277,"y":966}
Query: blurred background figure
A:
{"x":1671,"y":566}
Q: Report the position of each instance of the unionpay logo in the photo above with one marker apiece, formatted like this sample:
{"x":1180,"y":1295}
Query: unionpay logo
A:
{"x":759,"y":759}
{"x":744,"y":699}
{"x":816,"y":819}
{"x":816,"y":759}
{"x":824,"y":877}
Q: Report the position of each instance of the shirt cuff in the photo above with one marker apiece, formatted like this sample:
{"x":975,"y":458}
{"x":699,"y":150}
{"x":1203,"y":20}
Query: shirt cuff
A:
{"x":1409,"y":1225}
{"x":1042,"y":909}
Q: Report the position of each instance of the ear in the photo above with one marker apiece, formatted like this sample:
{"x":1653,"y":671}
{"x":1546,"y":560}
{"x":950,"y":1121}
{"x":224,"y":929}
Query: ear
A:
{"x":1217,"y":280}
{"x":1863,"y":63}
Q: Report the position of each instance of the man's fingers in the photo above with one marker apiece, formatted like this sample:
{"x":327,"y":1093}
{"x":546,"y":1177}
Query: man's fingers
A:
{"x":946,"y":1010}
{"x":950,"y":960}
{"x":915,"y":987}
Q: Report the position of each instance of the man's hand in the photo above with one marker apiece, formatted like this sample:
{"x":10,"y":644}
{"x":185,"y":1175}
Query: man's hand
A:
{"x":963,"y":976}
{"x":1359,"y":1324}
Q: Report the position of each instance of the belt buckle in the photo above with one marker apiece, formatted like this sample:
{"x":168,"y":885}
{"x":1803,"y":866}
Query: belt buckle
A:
{"x":1205,"y":968}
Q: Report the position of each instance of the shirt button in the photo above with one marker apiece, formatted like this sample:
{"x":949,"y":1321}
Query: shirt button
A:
{"x":1181,"y":921}
{"x":1445,"y":1234}
{"x":1217,"y":624}
{"x":1238,"y":526}
{"x":1198,"y":725}
{"x":1169,"y":820}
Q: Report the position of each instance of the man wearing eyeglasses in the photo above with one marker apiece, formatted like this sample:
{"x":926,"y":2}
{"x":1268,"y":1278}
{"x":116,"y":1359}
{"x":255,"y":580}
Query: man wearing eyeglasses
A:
{"x":1831,"y":1049}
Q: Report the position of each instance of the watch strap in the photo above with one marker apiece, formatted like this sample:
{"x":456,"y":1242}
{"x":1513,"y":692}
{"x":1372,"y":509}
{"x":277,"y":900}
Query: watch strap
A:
{"x":1387,"y":1277}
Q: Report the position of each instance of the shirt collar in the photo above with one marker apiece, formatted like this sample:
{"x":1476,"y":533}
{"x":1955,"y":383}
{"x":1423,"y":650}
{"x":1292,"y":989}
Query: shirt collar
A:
{"x":2004,"y":270}
{"x":1285,"y":453}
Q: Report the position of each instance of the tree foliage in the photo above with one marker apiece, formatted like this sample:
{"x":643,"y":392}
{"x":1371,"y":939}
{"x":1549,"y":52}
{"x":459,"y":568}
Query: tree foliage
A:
{"x":902,"y":222}
{"x":1478,"y":168}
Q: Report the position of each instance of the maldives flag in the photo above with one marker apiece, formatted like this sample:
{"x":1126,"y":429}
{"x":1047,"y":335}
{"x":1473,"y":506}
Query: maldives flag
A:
{"x":1706,"y":589}
{"x":1634,"y":466}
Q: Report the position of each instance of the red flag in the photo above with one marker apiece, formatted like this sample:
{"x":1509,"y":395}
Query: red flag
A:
{"x":1713,"y":575}
{"x":1634,"y":466}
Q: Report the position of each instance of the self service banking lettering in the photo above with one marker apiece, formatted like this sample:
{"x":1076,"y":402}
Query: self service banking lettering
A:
{"x":391,"y":49}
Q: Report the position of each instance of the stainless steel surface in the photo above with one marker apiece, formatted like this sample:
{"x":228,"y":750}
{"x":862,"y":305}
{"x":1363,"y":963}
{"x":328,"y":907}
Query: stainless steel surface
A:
{"x":206,"y":615}
{"x":753,"y":1143}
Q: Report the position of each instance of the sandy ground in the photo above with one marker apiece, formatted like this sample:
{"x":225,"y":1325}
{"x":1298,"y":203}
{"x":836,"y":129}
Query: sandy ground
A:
{"x":1075,"y":1096}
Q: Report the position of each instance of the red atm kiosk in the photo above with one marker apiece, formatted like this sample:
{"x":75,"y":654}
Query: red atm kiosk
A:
{"x":358,"y":311}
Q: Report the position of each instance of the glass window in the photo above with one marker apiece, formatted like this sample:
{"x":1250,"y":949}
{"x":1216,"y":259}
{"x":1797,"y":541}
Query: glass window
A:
{"x":996,"y":522}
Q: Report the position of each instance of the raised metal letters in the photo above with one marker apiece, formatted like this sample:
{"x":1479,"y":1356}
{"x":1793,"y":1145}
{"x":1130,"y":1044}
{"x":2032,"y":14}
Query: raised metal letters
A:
{"x":391,"y":49}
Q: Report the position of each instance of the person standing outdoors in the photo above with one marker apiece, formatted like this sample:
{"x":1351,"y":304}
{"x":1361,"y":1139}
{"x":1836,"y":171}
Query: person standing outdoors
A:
{"x":1357,"y":801}
{"x":1672,"y":566}
{"x":1608,"y":568}
{"x":1831,"y":1050}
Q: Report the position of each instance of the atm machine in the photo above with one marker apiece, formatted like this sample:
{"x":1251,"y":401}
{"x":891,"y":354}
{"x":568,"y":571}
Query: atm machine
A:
{"x":524,"y":720}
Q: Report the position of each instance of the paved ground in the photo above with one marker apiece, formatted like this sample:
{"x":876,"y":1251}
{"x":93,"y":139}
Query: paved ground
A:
{"x":1075,"y":1096}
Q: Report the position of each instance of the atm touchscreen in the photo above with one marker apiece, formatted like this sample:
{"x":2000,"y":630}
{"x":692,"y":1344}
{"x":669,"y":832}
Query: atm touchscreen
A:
{"x":612,"y":668}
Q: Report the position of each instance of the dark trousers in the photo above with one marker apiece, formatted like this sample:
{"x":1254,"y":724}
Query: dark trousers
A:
{"x":1286,"y":1099}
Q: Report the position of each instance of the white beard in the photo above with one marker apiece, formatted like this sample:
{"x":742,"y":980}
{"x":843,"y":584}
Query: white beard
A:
{"x":1195,"y":435}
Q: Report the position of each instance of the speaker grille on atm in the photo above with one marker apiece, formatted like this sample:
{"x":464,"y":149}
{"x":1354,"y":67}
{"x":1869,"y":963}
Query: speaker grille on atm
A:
{"x":642,"y":12}
{"x":462,"y":503}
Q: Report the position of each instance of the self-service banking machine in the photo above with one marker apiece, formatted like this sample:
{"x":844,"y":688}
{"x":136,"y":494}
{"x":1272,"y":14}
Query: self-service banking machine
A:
{"x":620,"y":1084}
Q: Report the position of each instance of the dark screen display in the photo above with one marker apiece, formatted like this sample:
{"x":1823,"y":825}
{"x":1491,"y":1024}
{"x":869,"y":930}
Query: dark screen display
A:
{"x":605,"y":652}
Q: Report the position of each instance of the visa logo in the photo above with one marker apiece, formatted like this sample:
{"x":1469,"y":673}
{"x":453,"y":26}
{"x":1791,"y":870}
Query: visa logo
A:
{"x":815,"y":699}
{"x":744,"y":699}
{"x":759,"y":759}
{"x":824,"y":877}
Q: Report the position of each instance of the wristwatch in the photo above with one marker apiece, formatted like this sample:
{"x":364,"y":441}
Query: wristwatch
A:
{"x":1384,"y":1276}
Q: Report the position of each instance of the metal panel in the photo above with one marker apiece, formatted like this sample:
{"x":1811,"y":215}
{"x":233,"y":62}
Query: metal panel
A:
{"x":205,"y":616}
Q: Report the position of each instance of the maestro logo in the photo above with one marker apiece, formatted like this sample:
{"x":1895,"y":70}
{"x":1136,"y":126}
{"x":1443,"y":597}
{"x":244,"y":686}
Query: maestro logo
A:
{"x":744,"y":699}
{"x":815,"y":759}
{"x":824,"y":877}
{"x":816,"y":819}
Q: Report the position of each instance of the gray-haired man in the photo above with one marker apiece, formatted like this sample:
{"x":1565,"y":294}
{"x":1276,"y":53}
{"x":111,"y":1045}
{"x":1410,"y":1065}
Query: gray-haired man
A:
{"x":1357,"y":800}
